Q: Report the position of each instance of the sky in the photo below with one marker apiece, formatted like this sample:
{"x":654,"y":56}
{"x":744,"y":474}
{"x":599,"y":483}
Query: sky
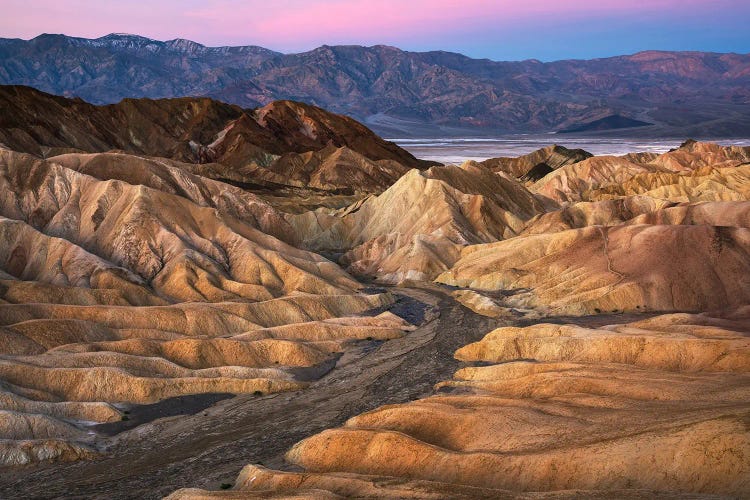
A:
{"x":500,"y":30}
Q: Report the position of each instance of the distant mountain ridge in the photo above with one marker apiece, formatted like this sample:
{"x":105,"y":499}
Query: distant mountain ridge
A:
{"x":401,"y":93}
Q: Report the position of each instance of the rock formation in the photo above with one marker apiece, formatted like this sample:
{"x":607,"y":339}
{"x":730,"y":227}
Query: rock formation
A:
{"x":535,"y":165}
{"x":416,"y":228}
{"x":694,"y":172}
{"x":618,"y":239}
{"x":250,"y":147}
{"x":182,"y":280}
{"x":596,"y":268}
{"x":129,"y":279}
{"x":655,"y":408}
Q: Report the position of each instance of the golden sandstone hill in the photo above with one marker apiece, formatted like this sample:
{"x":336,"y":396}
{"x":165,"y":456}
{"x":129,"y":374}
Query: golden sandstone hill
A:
{"x":113,"y":291}
{"x":417,"y":227}
{"x":552,"y":326}
{"x":654,"y":407}
{"x":127,"y":278}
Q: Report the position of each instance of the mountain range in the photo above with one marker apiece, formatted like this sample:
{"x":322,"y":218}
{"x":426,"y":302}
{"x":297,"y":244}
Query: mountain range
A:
{"x":399,"y":93}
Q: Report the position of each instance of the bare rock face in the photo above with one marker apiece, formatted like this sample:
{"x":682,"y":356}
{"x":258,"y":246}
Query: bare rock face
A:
{"x":175,"y":178}
{"x":468,"y":227}
{"x":536,"y":165}
{"x":167,"y":240}
{"x":300,"y":127}
{"x":607,"y":212}
{"x":330,"y":170}
{"x":29,"y":255}
{"x":652,"y":408}
{"x":127,"y":279}
{"x":636,"y":267}
{"x":619,"y":239}
{"x":416,"y":228}
{"x":695,"y":172}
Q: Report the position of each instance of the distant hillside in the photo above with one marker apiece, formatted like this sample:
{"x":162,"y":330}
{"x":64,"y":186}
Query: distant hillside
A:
{"x":612,"y":122}
{"x":284,"y":144}
{"x":403,"y":93}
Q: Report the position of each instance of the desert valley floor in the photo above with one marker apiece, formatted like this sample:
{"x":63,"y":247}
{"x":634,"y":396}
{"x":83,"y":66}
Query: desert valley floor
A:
{"x":202,"y":301}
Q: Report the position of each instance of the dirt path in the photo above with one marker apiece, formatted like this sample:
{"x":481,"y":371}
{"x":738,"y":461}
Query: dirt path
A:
{"x":210,"y":447}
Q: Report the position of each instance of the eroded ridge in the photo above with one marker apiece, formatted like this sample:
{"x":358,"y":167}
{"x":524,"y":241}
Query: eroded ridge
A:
{"x":129,"y":280}
{"x":157,"y":257}
{"x":657,"y":407}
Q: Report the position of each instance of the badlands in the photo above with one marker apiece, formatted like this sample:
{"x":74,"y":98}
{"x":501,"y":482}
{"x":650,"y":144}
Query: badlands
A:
{"x":201,"y":301}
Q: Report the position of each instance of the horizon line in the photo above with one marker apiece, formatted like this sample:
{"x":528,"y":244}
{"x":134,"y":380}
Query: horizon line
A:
{"x":531,"y":59}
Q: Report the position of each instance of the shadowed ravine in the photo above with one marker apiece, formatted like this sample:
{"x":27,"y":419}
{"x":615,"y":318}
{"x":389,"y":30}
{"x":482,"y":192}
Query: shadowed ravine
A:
{"x":210,"y":448}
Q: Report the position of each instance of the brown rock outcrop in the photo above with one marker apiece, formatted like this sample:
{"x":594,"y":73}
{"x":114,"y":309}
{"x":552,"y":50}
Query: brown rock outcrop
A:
{"x":535,"y":165}
{"x":330,"y":170}
{"x":248,"y":143}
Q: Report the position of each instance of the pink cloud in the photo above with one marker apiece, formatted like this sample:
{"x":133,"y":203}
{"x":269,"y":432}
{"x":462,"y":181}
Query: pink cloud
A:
{"x":295,"y":25}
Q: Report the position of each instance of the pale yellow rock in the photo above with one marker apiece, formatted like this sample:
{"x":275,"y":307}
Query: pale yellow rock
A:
{"x":415,"y":229}
{"x":696,"y":172}
{"x":130,"y":279}
{"x":480,"y":304}
{"x":173,"y":177}
{"x":185,"y":251}
{"x":594,"y":269}
{"x":606,"y":213}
